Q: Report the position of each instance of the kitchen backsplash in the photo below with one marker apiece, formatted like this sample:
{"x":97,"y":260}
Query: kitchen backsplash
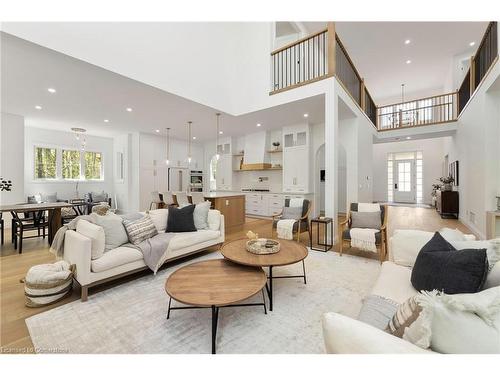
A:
{"x":271,"y":180}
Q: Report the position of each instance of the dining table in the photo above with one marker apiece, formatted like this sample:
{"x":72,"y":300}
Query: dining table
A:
{"x":54,"y":210}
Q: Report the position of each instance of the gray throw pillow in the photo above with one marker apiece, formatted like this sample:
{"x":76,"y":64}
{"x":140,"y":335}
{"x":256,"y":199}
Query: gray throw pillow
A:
{"x":140,"y":230}
{"x":114,"y":232}
{"x":366,"y":220}
{"x":50,"y":198}
{"x":294,"y":213}
{"x":131,"y":216}
{"x":99,"y":197}
{"x":200,"y":215}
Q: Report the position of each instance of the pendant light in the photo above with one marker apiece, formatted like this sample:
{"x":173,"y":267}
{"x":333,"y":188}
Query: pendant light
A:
{"x":167,"y":161}
{"x":189,"y":142}
{"x":80,"y":138}
{"x":217,"y":156}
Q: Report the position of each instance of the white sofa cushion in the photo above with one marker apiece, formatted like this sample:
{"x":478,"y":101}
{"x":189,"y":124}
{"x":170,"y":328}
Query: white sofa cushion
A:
{"x":405,"y":244}
{"x":344,"y":335}
{"x":493,"y":278}
{"x":116,"y":257}
{"x":200,"y":215}
{"x":159,"y":218}
{"x":114,"y":231}
{"x":213,"y":219}
{"x":96,"y":235}
{"x":459,"y":323}
{"x":187,"y":239}
{"x":394,"y":283}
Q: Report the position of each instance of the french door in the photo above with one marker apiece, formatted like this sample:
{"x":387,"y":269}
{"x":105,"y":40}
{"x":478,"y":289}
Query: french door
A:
{"x":404,"y":181}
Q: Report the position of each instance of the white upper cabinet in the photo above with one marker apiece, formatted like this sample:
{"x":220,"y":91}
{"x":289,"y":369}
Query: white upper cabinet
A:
{"x":296,"y":159}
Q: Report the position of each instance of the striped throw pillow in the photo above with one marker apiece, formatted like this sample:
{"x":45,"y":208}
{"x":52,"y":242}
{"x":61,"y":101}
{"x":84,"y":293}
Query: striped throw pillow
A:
{"x":407,"y":313}
{"x":140,"y":230}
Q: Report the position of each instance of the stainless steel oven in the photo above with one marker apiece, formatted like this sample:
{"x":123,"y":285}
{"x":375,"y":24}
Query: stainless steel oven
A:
{"x":196,"y":180}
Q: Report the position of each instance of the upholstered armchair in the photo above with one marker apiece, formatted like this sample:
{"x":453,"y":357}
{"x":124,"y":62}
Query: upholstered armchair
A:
{"x":380,"y":236}
{"x":301,"y":225}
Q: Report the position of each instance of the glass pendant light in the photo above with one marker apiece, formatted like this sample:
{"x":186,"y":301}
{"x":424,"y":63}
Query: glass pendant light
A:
{"x":189,"y":158}
{"x":167,"y":161}
{"x":217,"y":156}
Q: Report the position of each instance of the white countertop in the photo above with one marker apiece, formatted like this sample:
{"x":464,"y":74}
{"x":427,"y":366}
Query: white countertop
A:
{"x":260,"y":192}
{"x":223,"y":194}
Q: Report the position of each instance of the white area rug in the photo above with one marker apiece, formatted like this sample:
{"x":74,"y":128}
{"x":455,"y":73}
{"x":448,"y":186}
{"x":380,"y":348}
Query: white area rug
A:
{"x":131,"y":317}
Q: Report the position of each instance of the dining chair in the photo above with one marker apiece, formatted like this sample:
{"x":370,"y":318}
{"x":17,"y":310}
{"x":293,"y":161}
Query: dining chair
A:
{"x":33,"y":220}
{"x":167,"y":198}
{"x":156,"y":200}
{"x":197,"y":197}
{"x":182,"y":199}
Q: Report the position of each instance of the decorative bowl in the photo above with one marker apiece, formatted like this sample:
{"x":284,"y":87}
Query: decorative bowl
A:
{"x":263,"y":246}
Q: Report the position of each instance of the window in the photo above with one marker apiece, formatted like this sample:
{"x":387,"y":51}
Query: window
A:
{"x":45,"y":162}
{"x":93,"y":165}
{"x":71,"y":164}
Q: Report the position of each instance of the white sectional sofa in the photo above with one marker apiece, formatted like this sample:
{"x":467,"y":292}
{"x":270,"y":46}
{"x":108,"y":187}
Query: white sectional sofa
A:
{"x":124,"y":260}
{"x":344,"y":335}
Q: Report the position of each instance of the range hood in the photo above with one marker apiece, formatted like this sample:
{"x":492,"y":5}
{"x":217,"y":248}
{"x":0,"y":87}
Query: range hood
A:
{"x":256,"y":156}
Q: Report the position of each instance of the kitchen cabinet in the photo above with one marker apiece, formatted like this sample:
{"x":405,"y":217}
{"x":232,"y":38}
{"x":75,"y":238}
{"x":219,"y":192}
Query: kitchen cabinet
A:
{"x":224,"y":174}
{"x":268,"y":204}
{"x":296,"y":159}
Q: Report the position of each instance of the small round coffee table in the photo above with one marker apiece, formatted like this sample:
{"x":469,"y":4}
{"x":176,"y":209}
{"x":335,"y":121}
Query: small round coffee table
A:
{"x":291,"y":252}
{"x":214,"y":284}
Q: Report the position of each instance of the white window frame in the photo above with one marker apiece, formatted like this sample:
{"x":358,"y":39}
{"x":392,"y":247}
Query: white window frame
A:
{"x":59,"y":178}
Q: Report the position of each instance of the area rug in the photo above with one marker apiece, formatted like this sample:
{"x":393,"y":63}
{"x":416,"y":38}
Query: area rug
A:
{"x":131,"y":317}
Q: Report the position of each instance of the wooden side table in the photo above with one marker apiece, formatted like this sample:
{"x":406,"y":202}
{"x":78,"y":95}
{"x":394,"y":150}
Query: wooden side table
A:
{"x":323,"y":221}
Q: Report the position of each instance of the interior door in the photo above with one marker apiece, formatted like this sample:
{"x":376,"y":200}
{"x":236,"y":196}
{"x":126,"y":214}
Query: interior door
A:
{"x":404,"y":181}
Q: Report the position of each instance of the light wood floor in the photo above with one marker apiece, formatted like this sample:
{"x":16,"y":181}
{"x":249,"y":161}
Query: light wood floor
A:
{"x":14,"y":336}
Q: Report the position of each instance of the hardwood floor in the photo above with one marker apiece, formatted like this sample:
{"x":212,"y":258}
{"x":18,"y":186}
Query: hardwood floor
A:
{"x":14,"y":335}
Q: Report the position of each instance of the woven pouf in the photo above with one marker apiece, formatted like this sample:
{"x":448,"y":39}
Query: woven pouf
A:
{"x":48,"y":283}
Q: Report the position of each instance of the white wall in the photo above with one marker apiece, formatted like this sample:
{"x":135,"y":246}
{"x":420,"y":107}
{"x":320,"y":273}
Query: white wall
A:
{"x":65,"y":189}
{"x":12,"y":159}
{"x":433,"y":150}
{"x":477,"y":147}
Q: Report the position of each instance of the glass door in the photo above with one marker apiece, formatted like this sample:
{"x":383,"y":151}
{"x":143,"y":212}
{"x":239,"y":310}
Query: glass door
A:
{"x":404,"y":184}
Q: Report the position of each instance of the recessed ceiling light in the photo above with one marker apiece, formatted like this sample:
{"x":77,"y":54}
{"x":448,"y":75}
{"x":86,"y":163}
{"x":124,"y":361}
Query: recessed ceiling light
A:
{"x":472,"y":43}
{"x":38,"y":107}
{"x":157,"y":130}
{"x":306,"y":115}
{"x":194,"y":137}
{"x":106,"y":120}
{"x":51,"y":90}
{"x":408,"y":61}
{"x":129,"y":109}
{"x":408,"y":137}
{"x":259,"y":125}
{"x":221,"y":132}
{"x":407,"y":41}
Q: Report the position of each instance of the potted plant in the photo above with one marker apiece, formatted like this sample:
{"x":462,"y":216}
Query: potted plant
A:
{"x":435,"y":188}
{"x":5,"y":185}
{"x":276,"y":145}
{"x":447,"y":181}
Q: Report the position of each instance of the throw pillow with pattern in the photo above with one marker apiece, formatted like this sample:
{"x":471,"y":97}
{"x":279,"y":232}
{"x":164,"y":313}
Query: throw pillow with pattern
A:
{"x":406,"y":314}
{"x":140,"y":230}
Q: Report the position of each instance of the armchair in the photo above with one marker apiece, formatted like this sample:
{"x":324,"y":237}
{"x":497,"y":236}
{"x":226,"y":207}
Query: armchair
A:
{"x":380,"y":237}
{"x":301,"y":225}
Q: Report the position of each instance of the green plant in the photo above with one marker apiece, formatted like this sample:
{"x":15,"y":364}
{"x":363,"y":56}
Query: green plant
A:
{"x":5,"y":185}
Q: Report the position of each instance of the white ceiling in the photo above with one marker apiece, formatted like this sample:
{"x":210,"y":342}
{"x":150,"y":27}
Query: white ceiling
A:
{"x":87,"y":94}
{"x":380,"y":54}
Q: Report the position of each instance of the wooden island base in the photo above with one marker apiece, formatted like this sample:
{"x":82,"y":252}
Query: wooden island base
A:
{"x":232,"y":206}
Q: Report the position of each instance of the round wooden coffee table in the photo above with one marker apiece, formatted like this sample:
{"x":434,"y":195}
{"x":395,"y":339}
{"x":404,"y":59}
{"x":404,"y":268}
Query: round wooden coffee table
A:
{"x":290,"y":252}
{"x":214,"y":284}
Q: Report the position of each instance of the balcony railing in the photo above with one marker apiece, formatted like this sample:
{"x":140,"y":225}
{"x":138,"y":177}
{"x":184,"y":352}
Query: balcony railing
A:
{"x":425,"y":111}
{"x":301,"y":62}
{"x":322,"y":55}
{"x":480,"y":64}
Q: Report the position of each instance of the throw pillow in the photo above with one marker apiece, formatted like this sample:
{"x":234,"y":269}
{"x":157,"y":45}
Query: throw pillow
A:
{"x":159,"y":217}
{"x":459,"y":324}
{"x":50,"y":198}
{"x":140,"y":230}
{"x":366,"y":220}
{"x":131,"y":216}
{"x":493,"y":278}
{"x":294,"y":213}
{"x":440,"y":266}
{"x":181,"y":219}
{"x":114,"y":232}
{"x":377,"y":311}
{"x":406,"y":314}
{"x":200,"y":215}
{"x":452,"y":234}
{"x":213,"y":219}
{"x":99,"y":197}
{"x":96,"y":235}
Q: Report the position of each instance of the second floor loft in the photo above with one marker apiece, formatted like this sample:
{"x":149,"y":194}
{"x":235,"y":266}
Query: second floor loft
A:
{"x":322,"y":55}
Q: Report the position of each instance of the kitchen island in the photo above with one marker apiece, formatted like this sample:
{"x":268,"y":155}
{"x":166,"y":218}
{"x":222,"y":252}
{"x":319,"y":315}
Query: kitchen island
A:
{"x":231,"y":205}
